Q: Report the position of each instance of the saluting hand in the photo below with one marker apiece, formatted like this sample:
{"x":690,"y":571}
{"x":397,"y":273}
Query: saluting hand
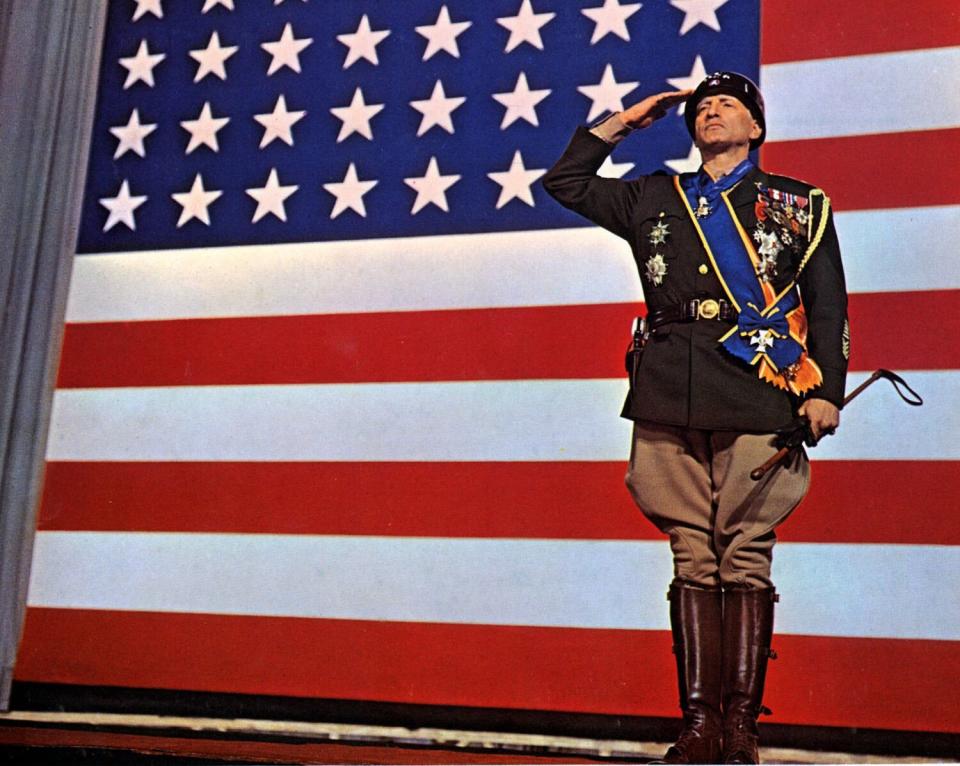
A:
{"x":644,"y":113}
{"x":824,"y":417}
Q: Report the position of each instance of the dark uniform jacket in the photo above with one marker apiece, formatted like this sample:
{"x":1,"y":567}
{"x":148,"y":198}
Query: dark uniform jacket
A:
{"x":685,"y":377}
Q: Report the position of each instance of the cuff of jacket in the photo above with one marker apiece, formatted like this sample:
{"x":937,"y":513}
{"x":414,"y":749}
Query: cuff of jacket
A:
{"x":611,"y":130}
{"x":590,"y":147}
{"x":832,"y":389}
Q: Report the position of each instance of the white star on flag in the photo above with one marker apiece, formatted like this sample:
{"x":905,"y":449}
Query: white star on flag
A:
{"x":286,"y":51}
{"x":611,"y":169}
{"x":437,"y":110}
{"x":121,"y":207}
{"x":131,"y":135}
{"x":688,"y":164}
{"x":515,"y":182}
{"x":147,"y":6}
{"x":362,"y":43}
{"x":521,"y":103}
{"x":607,"y":95}
{"x":698,"y":12}
{"x":356,"y":117}
{"x":211,"y":59}
{"x":525,"y":26}
{"x":270,"y":197}
{"x":442,"y":34}
{"x":203,"y":130}
{"x":278,"y":123}
{"x":140,"y":66}
{"x":208,"y":4}
{"x":431,"y":188}
{"x":349,"y":193}
{"x":696,"y":76}
{"x":195,"y":202}
{"x":610,"y":18}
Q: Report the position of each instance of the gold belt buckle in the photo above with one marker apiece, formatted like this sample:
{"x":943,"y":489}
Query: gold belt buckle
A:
{"x":709,"y":309}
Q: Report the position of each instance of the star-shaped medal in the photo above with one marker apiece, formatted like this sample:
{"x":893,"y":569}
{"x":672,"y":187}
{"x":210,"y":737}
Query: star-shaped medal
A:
{"x":658,"y":234}
{"x":769,"y":243}
{"x":656,"y":269}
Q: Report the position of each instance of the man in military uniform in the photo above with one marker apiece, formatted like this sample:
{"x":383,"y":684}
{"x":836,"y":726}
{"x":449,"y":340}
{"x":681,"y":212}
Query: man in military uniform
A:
{"x":746,"y":331}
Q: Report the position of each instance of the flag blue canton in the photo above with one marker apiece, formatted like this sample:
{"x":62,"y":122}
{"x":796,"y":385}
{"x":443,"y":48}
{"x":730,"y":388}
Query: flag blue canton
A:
{"x":480,"y":142}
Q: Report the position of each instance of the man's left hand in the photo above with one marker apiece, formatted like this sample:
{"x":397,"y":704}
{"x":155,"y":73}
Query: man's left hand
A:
{"x":824,"y":417}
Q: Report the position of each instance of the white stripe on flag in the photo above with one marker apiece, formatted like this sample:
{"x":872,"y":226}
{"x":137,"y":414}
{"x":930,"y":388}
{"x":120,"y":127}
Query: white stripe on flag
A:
{"x":874,"y":244}
{"x":832,"y":590}
{"x":528,"y":268}
{"x":853,"y":95}
{"x":556,"y":267}
{"x":488,"y":420}
{"x":495,"y":420}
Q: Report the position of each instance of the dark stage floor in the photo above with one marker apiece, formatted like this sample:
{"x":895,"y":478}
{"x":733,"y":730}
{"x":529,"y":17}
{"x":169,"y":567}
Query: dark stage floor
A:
{"x":92,"y":738}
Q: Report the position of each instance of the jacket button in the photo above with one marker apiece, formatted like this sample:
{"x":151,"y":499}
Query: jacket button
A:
{"x":703,"y":268}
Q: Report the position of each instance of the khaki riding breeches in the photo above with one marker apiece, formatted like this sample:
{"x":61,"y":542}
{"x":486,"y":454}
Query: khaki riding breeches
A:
{"x":695,"y":486}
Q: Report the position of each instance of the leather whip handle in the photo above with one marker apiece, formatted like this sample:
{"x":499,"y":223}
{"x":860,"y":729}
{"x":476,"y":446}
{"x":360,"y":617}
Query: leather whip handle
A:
{"x":914,"y":399}
{"x":760,"y":471}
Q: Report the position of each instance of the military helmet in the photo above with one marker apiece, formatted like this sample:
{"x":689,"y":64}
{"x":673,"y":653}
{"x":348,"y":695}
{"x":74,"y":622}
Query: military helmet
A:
{"x":733,"y":84}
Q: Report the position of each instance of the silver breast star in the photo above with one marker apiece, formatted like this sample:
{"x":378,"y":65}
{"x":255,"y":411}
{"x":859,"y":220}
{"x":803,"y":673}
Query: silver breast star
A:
{"x":656,"y":269}
{"x":658,"y":234}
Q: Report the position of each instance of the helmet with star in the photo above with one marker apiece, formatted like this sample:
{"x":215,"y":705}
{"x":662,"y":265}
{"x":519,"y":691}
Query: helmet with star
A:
{"x":733,"y":84}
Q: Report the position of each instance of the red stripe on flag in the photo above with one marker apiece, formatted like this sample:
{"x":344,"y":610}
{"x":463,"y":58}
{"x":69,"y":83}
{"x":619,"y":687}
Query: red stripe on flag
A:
{"x":817,"y":29}
{"x":875,"y":171}
{"x":905,"y":331}
{"x":500,"y":499}
{"x":877,"y":502}
{"x":555,"y":342}
{"x":484,"y":344}
{"x":856,"y":502}
{"x":875,"y":683}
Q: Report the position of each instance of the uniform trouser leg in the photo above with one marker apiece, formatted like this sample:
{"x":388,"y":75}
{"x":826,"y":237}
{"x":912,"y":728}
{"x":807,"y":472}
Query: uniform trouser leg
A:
{"x":669,"y":478}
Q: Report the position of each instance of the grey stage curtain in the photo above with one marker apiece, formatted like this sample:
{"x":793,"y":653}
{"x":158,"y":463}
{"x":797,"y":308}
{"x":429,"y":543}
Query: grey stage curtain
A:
{"x":49,"y":59}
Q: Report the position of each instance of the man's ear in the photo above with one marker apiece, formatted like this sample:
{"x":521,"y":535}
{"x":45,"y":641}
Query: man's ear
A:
{"x":755,"y":131}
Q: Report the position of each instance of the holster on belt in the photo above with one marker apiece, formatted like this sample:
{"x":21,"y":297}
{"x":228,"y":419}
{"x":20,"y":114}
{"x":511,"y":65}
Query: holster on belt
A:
{"x":641,"y":335}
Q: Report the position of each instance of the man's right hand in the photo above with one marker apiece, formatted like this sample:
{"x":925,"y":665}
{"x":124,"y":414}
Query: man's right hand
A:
{"x":644,"y":113}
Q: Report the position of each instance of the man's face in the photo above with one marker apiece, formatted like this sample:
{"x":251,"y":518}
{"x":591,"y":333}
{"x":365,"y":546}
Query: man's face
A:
{"x":723,"y":122}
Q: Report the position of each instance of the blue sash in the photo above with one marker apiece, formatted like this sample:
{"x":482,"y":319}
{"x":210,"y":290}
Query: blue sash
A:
{"x":762,"y":331}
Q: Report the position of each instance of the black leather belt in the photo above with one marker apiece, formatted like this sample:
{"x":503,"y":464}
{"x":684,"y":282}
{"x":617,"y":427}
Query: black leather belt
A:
{"x":692,"y":309}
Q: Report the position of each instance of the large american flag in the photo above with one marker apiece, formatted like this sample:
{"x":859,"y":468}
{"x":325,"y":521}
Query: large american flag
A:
{"x":337,"y":407}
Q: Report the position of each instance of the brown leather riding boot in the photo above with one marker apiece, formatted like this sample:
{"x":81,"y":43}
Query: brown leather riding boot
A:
{"x":747,"y":631}
{"x":695,"y":618}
